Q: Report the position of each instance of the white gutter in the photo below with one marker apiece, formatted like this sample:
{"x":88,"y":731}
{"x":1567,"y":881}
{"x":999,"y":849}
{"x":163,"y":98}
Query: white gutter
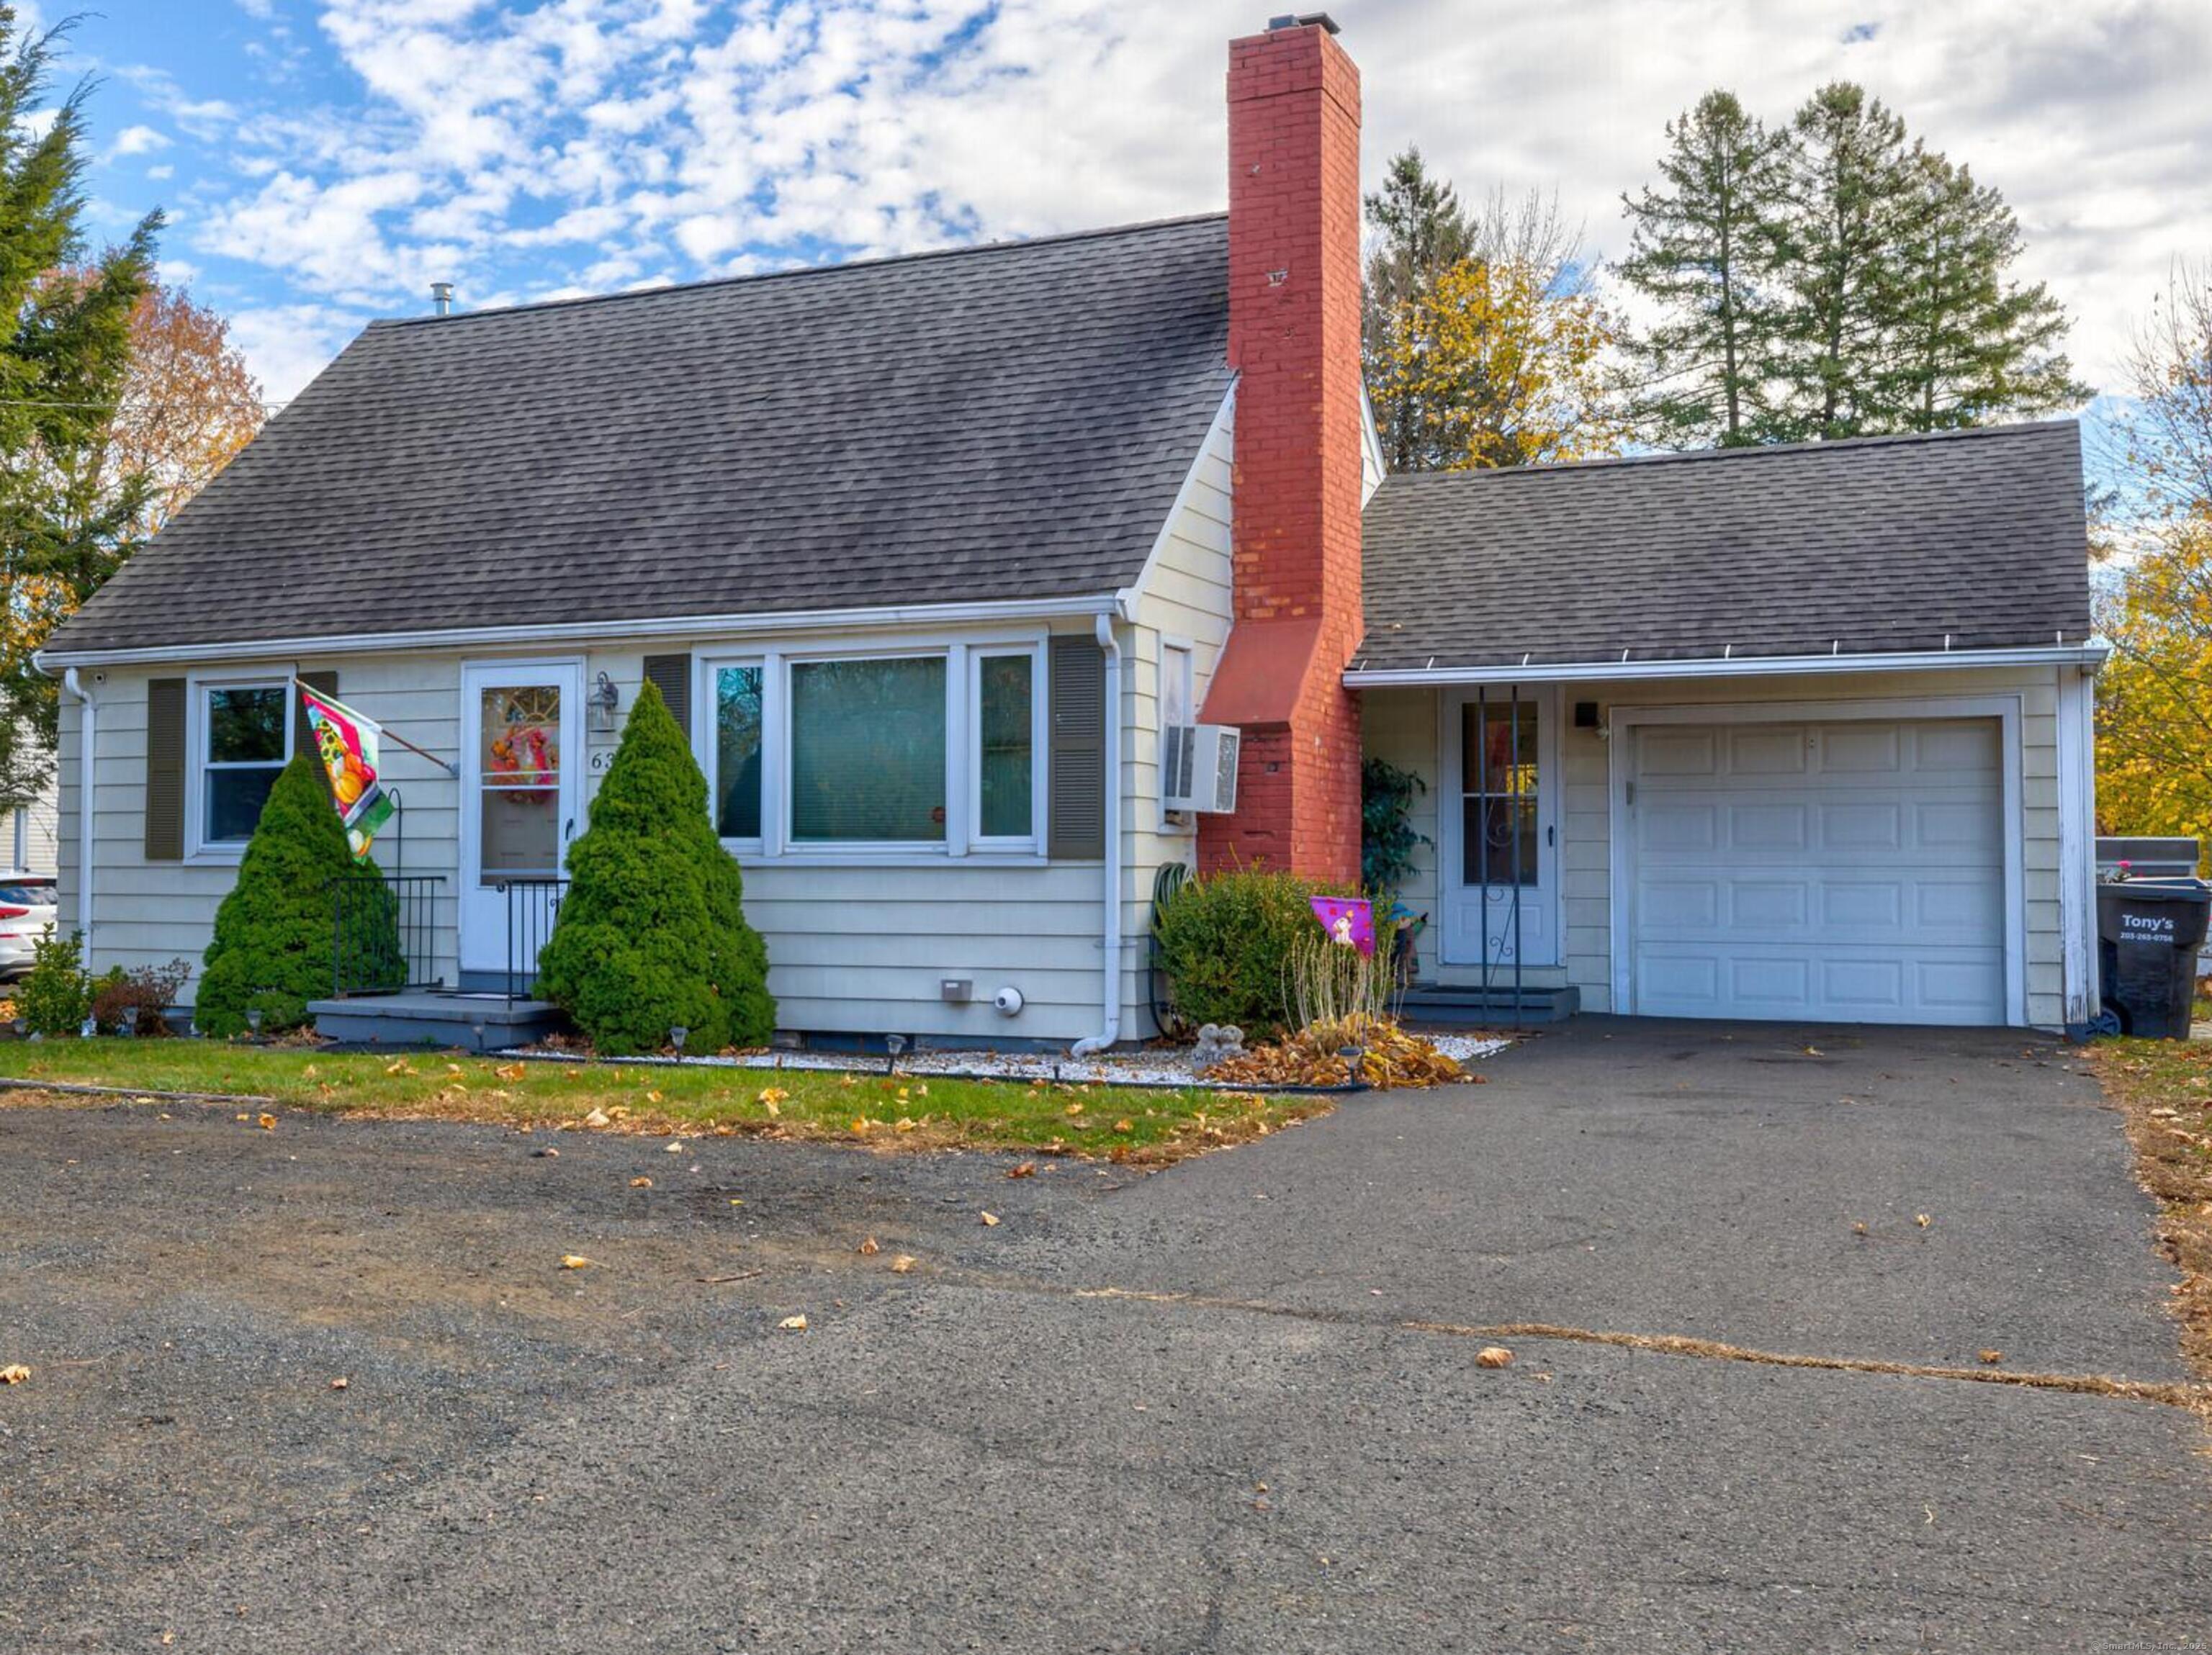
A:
{"x":536,"y":636}
{"x":2090,"y":654}
{"x":1111,"y":911}
{"x":88,"y":746}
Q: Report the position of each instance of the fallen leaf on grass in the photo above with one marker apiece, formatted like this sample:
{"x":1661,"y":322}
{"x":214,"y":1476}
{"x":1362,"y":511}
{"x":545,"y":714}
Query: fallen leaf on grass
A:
{"x":641,"y":1184}
{"x":1075,"y":1108}
{"x":990,"y":1221}
{"x":512,"y":1072}
{"x":1125,"y":1126}
{"x":267,"y":1123}
{"x":1495,"y":1355}
{"x":597,"y":1117}
{"x":792,"y":1324}
{"x":1023,"y":1169}
{"x":14,"y":1373}
{"x":847,"y":1080}
{"x":575,"y":1261}
{"x":903,"y":1264}
{"x":904,"y":1124}
{"x":1991,"y":1358}
{"x":869,"y":1248}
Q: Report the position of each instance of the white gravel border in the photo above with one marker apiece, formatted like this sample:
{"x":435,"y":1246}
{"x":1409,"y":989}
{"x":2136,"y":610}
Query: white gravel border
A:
{"x":1165,"y":1066}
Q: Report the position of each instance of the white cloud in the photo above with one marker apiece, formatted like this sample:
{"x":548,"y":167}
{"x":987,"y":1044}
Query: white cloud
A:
{"x":287,"y":345}
{"x":593,"y":142}
{"x":137,"y":140}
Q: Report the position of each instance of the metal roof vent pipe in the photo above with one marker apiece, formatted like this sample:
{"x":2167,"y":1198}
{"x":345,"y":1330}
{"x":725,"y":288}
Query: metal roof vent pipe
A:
{"x":441,"y":295}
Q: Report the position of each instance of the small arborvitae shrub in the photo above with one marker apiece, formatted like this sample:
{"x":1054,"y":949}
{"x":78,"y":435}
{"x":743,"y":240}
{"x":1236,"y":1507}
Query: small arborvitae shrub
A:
{"x":651,"y":935}
{"x":275,"y":934}
{"x":55,"y":997}
{"x":1226,"y":942}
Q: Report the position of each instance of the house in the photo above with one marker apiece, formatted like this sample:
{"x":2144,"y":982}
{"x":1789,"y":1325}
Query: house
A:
{"x":928,"y":553}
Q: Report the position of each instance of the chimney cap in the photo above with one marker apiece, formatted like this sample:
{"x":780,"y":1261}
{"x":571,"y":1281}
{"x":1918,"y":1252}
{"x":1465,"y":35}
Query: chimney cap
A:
{"x":441,"y":295}
{"x":1303,"y":20}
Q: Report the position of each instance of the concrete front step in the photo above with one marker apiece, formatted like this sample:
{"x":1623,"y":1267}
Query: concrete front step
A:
{"x":1452,"y":1004}
{"x":467,"y":1023}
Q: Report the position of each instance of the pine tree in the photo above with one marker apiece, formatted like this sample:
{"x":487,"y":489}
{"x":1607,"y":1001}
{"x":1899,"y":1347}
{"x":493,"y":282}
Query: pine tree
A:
{"x":1422,"y":232}
{"x":1701,"y":248}
{"x":272,"y":950}
{"x":1968,"y":344}
{"x":651,"y":935}
{"x":1839,"y":259}
{"x":65,"y":524}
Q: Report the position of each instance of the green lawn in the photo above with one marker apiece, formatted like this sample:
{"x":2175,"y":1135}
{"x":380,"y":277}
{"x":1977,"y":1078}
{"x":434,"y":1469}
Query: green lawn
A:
{"x":900,"y":1112}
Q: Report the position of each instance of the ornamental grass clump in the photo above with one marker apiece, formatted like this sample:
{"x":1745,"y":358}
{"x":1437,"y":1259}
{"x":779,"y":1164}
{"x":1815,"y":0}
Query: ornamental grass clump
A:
{"x":276,"y":939}
{"x":652,"y":934}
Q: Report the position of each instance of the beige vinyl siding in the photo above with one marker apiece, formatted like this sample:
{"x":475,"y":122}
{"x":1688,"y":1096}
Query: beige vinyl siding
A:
{"x":1400,"y":725}
{"x":1185,"y":599}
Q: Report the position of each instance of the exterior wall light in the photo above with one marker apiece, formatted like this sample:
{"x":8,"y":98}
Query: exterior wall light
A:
{"x":604,"y":700}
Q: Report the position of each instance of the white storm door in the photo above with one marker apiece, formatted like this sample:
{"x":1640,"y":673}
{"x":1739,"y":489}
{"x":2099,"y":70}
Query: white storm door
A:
{"x":1827,"y":871}
{"x":1498,"y":828}
{"x":521,"y":798}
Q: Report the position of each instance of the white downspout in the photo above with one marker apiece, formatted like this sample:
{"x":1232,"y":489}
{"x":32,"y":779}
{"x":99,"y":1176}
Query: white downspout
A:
{"x":1110,"y":1030}
{"x":86,"y":747}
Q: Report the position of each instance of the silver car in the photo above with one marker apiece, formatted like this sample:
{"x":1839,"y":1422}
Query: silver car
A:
{"x":26,"y":908}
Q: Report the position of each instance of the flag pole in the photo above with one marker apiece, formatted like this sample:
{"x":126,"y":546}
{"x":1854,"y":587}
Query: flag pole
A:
{"x":444,"y":764}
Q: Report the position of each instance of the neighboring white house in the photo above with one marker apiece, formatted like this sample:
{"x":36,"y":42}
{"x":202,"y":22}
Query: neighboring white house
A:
{"x":928,"y":553}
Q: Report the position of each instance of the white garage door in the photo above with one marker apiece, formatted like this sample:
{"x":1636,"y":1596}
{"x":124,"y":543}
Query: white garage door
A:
{"x":1848,"y":872}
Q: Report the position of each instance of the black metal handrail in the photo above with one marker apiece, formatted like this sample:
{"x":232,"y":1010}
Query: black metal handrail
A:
{"x":533,"y":907}
{"x":383,"y":932}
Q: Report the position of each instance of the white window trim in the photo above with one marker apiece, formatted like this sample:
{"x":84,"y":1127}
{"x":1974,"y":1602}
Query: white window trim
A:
{"x":197,"y":688}
{"x":962,"y":656}
{"x":1183,"y":822}
{"x":1005,"y":844}
{"x":706,"y":738}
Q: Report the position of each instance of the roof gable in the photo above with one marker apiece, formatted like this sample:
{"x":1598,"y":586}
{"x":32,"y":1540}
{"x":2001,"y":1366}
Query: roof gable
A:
{"x":1008,"y":423}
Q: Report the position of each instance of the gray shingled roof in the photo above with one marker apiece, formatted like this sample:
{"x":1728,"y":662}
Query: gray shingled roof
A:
{"x":1879,"y":544}
{"x":999,"y":422}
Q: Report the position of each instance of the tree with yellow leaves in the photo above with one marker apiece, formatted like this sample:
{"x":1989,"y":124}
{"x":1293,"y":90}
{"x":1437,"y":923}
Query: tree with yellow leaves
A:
{"x":189,"y":402}
{"x":2154,"y":696}
{"x":1485,"y":342}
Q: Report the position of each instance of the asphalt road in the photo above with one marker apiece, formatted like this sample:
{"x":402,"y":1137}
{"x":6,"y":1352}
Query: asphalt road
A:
{"x":1170,"y":1414}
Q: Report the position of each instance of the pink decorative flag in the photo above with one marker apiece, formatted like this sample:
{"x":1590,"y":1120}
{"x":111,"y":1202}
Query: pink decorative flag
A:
{"x":1347,"y":919}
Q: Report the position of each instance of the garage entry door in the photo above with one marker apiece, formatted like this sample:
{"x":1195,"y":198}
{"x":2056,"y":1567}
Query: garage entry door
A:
{"x":1846,"y":872}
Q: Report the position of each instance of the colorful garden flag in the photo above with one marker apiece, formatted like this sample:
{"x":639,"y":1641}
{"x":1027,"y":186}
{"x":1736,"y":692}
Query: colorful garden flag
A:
{"x":347,"y":744}
{"x":1347,"y":919}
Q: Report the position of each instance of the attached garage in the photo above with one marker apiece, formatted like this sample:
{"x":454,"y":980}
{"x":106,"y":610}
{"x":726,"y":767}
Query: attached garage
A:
{"x":1839,"y":870}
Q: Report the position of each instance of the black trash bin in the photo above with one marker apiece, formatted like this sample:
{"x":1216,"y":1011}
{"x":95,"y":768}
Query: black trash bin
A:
{"x":2148,"y":931}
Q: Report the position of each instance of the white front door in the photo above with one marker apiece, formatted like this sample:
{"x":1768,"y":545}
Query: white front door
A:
{"x":521,"y":797}
{"x":1830,"y":872}
{"x":1497,"y":832}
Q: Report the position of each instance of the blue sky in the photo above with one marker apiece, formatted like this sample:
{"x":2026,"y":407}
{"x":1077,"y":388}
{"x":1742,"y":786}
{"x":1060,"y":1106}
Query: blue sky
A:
{"x":323,"y":160}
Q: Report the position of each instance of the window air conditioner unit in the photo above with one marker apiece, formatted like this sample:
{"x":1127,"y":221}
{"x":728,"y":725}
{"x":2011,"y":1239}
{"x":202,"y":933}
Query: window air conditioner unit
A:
{"x":1201,"y":768}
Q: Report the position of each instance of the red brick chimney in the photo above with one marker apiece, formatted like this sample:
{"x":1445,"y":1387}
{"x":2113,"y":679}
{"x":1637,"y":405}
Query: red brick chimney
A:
{"x":1294,"y":341}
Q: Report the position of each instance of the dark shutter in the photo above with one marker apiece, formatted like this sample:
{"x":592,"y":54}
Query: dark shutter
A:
{"x":165,"y":770}
{"x":323,"y":683}
{"x":671,"y":676}
{"x":1076,"y":824}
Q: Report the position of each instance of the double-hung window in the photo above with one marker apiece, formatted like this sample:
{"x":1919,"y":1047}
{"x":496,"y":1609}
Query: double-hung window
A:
{"x":242,"y":736}
{"x":927,"y":751}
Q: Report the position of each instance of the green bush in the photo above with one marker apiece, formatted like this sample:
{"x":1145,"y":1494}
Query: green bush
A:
{"x":1387,"y":835}
{"x":652,"y":934}
{"x":56,"y":994}
{"x":1225,"y":944}
{"x":273,"y":949}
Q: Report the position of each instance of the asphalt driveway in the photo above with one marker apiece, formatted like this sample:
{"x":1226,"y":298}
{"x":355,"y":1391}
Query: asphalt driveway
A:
{"x":1168,"y":1414}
